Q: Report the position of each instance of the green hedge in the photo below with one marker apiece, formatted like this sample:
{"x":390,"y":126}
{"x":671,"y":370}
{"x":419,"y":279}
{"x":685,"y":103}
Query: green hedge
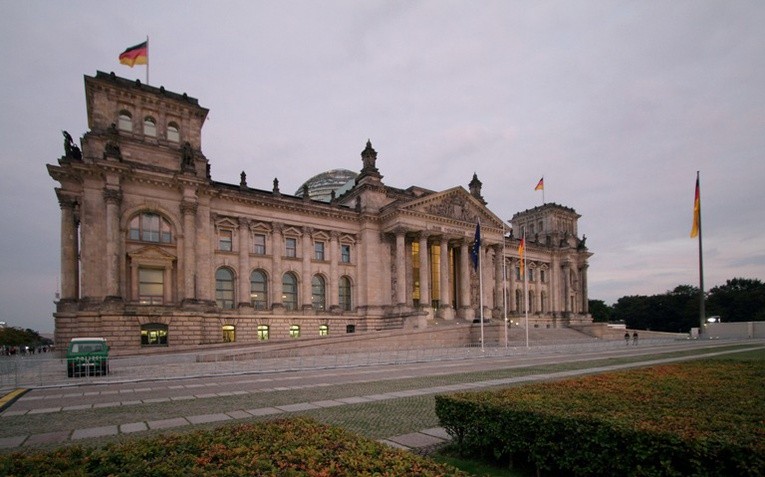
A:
{"x":297,"y":447}
{"x":704,"y":418}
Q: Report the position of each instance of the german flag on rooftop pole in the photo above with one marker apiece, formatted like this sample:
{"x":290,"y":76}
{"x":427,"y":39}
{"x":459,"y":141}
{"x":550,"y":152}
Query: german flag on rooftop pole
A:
{"x":137,"y":55}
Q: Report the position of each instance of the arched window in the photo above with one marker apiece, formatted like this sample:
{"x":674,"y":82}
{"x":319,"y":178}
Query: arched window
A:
{"x":531,"y":301}
{"x":519,"y":300}
{"x":173,"y":133}
{"x":344,"y":288}
{"x":154,"y":334}
{"x":289,"y":291}
{"x":229,"y":333}
{"x":543,"y":302}
{"x":150,"y":227}
{"x":258,"y":290}
{"x":125,"y":122}
{"x":318,"y":296}
{"x":149,"y":127}
{"x":224,"y":288}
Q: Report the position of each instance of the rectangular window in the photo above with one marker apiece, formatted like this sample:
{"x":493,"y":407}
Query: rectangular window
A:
{"x":295,"y":331}
{"x":531,"y":274}
{"x":319,"y":251}
{"x":345,"y":253}
{"x":542,"y":276}
{"x":225,"y":241}
{"x":260,"y":244}
{"x":151,"y":287}
{"x":323,"y":330}
{"x":291,"y":250}
{"x":263,"y":332}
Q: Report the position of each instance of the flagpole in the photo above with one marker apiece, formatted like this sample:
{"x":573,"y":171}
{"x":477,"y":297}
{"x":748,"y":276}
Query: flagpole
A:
{"x":480,"y":285}
{"x":147,"y":60}
{"x":504,"y":282}
{"x":525,"y":288}
{"x":702,"y":311}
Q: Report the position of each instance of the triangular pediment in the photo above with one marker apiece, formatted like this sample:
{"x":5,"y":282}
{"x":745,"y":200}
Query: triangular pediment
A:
{"x":453,"y":204}
{"x":151,"y":254}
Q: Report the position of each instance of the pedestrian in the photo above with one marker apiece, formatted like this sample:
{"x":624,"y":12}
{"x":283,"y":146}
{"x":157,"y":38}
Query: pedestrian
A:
{"x":634,"y":338}
{"x":627,"y":338}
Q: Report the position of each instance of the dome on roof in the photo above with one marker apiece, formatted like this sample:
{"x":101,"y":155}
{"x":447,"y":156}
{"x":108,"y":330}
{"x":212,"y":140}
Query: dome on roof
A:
{"x":320,"y":186}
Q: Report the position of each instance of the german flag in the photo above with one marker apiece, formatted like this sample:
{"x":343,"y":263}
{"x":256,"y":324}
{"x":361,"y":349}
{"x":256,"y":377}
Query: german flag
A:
{"x":136,"y":55}
{"x":696,"y":211}
{"x":540,"y":184}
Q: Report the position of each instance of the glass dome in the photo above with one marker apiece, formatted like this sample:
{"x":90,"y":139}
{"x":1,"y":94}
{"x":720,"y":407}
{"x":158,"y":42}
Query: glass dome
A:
{"x":320,"y":186}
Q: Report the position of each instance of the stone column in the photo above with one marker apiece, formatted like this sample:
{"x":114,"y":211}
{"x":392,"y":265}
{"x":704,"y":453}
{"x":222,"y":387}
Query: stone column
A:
{"x":334,"y":279}
{"x":70,"y":280}
{"x":306,"y":291}
{"x":466,"y":310}
{"x":425,"y":274}
{"x":583,"y":282}
{"x":497,"y":276}
{"x":566,"y":287}
{"x":445,"y":307}
{"x":189,"y":213}
{"x":244,"y":262}
{"x":400,"y":267}
{"x":277,"y":249}
{"x":113,"y":199}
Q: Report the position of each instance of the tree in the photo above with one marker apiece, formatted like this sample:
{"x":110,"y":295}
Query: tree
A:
{"x":13,"y":336}
{"x":601,"y":313}
{"x":676,"y":310}
{"x":740,"y":299}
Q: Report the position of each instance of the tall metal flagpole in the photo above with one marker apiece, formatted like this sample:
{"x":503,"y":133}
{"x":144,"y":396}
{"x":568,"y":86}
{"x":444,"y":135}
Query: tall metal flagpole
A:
{"x":525,"y":287}
{"x":504,"y":282}
{"x":480,"y":280}
{"x":702,"y":311}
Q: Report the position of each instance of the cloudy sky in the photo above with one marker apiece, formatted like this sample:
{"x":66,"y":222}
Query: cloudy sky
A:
{"x":616,"y":103}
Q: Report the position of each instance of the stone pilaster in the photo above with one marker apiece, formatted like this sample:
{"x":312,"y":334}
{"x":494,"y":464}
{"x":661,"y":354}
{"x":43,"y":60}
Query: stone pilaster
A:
{"x":276,"y":266}
{"x":400,"y":267}
{"x":425,"y":275}
{"x":306,"y":292}
{"x":244,"y":262}
{"x":334,"y":252}
{"x":70,"y":283}
{"x":445,"y":309}
{"x":113,"y":199}
{"x":189,"y":212}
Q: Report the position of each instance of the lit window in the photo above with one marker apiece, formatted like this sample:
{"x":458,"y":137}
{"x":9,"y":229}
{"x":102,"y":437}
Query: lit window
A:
{"x":150,"y":227}
{"x":319,"y":251}
{"x":154,"y":334}
{"x":225,"y":240}
{"x":294,"y":331}
{"x":289,"y":291}
{"x":260,"y":244}
{"x":224,"y":288}
{"x":291,"y":247}
{"x":125,"y":122}
{"x":151,"y":289}
{"x":173,"y":133}
{"x":318,"y":299}
{"x":149,"y":127}
{"x":345,"y":253}
{"x":345,"y":293}
{"x":258,"y":290}
{"x":323,"y":330}
{"x":229,"y":333}
{"x":262,"y":332}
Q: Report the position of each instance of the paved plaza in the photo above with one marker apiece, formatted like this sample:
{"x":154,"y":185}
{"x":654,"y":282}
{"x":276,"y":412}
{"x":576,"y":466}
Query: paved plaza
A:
{"x":49,"y":416}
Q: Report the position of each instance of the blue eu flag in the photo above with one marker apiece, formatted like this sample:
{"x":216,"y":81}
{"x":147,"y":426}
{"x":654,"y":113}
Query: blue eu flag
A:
{"x":476,"y":250}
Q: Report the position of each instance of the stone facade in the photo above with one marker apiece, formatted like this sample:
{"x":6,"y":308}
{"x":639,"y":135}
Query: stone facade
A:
{"x":156,"y":254}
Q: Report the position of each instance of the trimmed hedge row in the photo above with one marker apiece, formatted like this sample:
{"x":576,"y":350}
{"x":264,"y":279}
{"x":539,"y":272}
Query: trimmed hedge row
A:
{"x":704,"y":418}
{"x":296,"y":447}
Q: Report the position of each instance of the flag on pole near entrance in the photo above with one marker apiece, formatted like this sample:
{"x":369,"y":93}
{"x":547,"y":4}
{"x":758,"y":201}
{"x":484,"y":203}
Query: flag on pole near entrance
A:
{"x":540,"y":184}
{"x":136,"y":55}
{"x":521,"y":251}
{"x":696,"y":211}
{"x":476,"y":250}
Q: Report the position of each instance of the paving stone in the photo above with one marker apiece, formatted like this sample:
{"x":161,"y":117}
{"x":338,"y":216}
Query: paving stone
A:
{"x":239,"y":414}
{"x":205,"y":396}
{"x":330,"y":403}
{"x":379,"y":397}
{"x":11,"y":442}
{"x":303,"y":406}
{"x":14,"y":413}
{"x":393,"y":444}
{"x":264,"y":411}
{"x":205,"y":418}
{"x":182,"y":398}
{"x":77,"y":407}
{"x":45,"y":410}
{"x":439,"y":432}
{"x":107,"y":404}
{"x":47,"y":438}
{"x":155,"y":400}
{"x":167,"y":423}
{"x":354,"y":400}
{"x":416,"y":440}
{"x":91,"y":432}
{"x":131,"y":403}
{"x":133,"y":427}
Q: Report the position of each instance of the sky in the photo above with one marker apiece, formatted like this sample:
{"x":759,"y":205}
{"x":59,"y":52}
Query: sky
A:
{"x":617,"y":104}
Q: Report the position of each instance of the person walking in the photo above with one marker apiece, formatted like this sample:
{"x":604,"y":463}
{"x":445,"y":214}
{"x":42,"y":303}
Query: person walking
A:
{"x":634,"y":338}
{"x":627,"y":338}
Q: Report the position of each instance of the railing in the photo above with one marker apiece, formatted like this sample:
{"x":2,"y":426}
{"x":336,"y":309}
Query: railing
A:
{"x":44,"y":370}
